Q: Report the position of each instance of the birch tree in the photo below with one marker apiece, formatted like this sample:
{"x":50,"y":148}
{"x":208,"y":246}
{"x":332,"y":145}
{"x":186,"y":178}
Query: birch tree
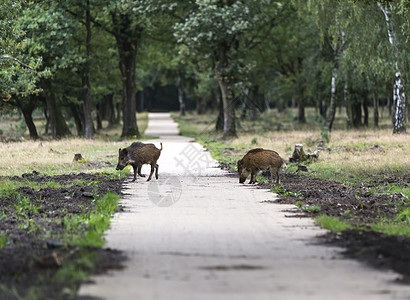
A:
{"x":399,"y":96}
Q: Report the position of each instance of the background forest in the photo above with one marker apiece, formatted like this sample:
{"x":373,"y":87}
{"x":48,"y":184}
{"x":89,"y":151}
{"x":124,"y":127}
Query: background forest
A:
{"x":79,"y":63}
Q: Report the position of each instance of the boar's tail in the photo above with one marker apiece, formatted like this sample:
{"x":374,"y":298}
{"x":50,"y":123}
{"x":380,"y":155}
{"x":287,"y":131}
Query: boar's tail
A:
{"x":161,"y":147}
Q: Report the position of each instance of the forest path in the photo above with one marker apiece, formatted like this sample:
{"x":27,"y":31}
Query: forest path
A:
{"x":196,"y":233}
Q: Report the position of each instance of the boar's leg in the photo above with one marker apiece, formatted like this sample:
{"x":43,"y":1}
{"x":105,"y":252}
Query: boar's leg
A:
{"x":253,"y":178}
{"x":135,"y":172}
{"x":274,"y":174}
{"x":139,"y":171}
{"x":152,"y":171}
{"x":277,"y":177}
{"x":156,"y":171}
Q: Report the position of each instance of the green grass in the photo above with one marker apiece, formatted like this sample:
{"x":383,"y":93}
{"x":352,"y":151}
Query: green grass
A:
{"x":332,"y":223}
{"x":9,"y":186}
{"x":394,"y":228}
{"x":3,"y":239}
{"x":97,"y":221}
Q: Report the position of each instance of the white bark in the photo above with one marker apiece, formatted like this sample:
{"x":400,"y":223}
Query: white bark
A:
{"x":399,"y":97}
{"x":346,"y":86}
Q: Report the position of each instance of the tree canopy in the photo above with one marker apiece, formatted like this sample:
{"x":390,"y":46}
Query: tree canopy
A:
{"x":84,"y":61}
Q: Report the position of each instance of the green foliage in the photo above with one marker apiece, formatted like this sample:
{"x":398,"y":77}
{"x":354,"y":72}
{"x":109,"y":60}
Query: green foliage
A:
{"x":308,"y":208}
{"x":402,"y":228}
{"x":3,"y":239}
{"x":404,"y":216}
{"x":96,"y":222}
{"x":311,"y":208}
{"x":24,"y":207}
{"x":332,"y":223}
{"x":325,"y":135}
{"x":284,"y":192}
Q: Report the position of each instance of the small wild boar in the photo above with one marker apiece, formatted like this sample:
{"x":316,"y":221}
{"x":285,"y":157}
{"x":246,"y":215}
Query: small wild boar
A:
{"x":139,"y":154}
{"x":259,"y":160}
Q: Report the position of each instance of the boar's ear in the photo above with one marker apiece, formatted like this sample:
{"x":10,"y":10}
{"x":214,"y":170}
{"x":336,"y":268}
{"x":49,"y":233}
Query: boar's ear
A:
{"x":239,"y":162}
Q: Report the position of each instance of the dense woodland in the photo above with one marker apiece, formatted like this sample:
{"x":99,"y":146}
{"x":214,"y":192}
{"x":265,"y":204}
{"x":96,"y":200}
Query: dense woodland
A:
{"x":95,"y":60}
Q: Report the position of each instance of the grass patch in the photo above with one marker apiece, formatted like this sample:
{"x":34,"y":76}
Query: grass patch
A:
{"x":332,"y":223}
{"x":97,"y":221}
{"x":394,"y":228}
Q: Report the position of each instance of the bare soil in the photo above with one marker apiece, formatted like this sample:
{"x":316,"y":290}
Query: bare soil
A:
{"x":33,"y":253}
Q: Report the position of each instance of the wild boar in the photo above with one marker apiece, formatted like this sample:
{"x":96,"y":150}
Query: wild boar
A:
{"x":259,"y":160}
{"x":139,"y":154}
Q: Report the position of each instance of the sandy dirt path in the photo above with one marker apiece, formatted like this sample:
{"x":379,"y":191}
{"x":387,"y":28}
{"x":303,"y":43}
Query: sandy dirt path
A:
{"x":196,"y":233}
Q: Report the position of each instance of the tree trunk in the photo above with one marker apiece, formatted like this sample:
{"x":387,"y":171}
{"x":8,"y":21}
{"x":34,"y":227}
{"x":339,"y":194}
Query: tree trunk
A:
{"x":357,"y":115}
{"x":99,"y":111}
{"x":180,"y":95}
{"x":75,"y":110}
{"x":346,"y":97}
{"x":399,"y":96}
{"x":58,"y":126}
{"x":253,"y":105}
{"x":46,"y":127}
{"x":366,"y":111}
{"x":323,"y":108}
{"x":27,"y":111}
{"x":229,"y":129}
{"x":142,"y":98}
{"x":267,"y":101}
{"x":118,"y":110}
{"x":332,"y":106}
{"x":245,"y":103}
{"x":220,"y":120}
{"x":301,"y":106}
{"x":375,"y":111}
{"x":88,"y":122}
{"x":110,"y":111}
{"x":333,"y":97}
{"x":127,"y":36}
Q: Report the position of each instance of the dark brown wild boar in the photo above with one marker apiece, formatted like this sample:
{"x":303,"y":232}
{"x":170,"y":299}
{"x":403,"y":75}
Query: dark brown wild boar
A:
{"x":259,"y":160}
{"x":139,"y":154}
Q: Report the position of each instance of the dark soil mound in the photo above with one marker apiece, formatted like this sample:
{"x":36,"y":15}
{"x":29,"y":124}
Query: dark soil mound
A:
{"x":33,"y":219}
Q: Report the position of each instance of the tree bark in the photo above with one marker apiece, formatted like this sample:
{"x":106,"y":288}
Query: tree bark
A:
{"x":229,"y":129}
{"x":333,"y":96}
{"x":225,"y":81}
{"x":27,"y":110}
{"x":357,"y":115}
{"x":301,"y":106}
{"x":76,"y":110}
{"x":267,"y":100}
{"x":58,"y":126}
{"x":399,"y":96}
{"x":245,"y":103}
{"x":332,"y":106}
{"x":375,"y":111}
{"x":127,"y":36}
{"x":220,"y":120}
{"x":88,"y":122}
{"x":346,"y":97}
{"x":366,"y":111}
{"x":110,"y":110}
{"x":181,"y":99}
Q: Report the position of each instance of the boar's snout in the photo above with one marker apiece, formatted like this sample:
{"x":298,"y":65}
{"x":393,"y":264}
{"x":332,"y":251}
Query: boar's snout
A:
{"x":242,"y":179}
